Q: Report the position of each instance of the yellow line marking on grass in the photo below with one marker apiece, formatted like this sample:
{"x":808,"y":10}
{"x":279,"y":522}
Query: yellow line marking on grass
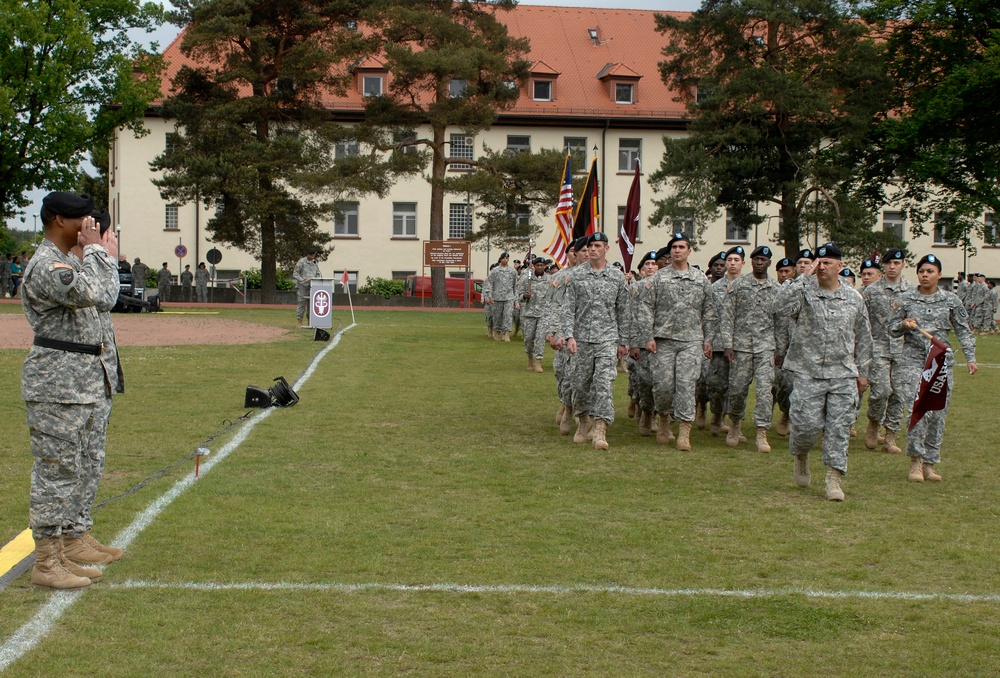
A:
{"x":554,"y":590}
{"x":35,"y":629}
{"x":15,"y":551}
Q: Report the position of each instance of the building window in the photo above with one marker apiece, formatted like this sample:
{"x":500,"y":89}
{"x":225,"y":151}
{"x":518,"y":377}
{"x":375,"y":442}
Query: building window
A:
{"x":990,"y":234}
{"x":170,"y":218}
{"x":402,"y":275}
{"x":404,"y":220}
{"x":684,"y":223}
{"x":352,"y":282}
{"x":735,"y":232}
{"x":522,"y":220}
{"x":541,"y":90}
{"x":629,"y":150}
{"x":893,"y":222}
{"x":405,"y":137}
{"x":459,"y":220}
{"x":170,"y":144}
{"x":346,"y":222}
{"x":345,"y":149}
{"x":702,"y":94}
{"x":461,"y":147}
{"x":518,"y":144}
{"x":457,"y":87}
{"x":621,"y":222}
{"x":624,"y":93}
{"x":577,"y":146}
{"x":371,"y":85}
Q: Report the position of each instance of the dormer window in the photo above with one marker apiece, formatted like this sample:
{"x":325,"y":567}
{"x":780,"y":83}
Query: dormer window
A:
{"x":371,"y":85}
{"x":622,"y":83}
{"x":624,"y":93}
{"x":541,"y":90}
{"x":457,"y":87}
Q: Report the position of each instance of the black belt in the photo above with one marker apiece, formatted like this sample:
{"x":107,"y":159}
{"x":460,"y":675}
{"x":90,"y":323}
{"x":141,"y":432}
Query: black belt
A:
{"x":71,"y":346}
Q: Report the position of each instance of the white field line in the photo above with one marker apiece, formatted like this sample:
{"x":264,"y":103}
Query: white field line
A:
{"x":552,"y":590}
{"x":32,"y":632}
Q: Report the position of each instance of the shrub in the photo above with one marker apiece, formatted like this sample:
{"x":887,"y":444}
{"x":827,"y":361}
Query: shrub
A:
{"x":283,"y":282}
{"x":383,"y":287}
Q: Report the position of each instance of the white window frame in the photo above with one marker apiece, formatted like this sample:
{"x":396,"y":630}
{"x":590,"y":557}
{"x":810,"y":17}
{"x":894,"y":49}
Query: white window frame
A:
{"x":627,"y":155}
{"x":404,"y":220}
{"x":579,"y":153}
{"x":459,"y":220}
{"x":684,"y":223}
{"x":893,"y":222}
{"x":630,"y":90}
{"x":731,"y":233}
{"x":371,"y":79}
{"x":518,"y":143}
{"x":170,"y":218}
{"x":457,"y":87}
{"x":346,"y":149}
{"x":342,"y":222}
{"x":939,"y":235}
{"x":546,"y":95}
{"x":460,"y":148}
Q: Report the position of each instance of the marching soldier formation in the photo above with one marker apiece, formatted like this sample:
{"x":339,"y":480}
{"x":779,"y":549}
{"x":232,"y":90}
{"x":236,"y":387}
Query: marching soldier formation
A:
{"x":811,"y":339}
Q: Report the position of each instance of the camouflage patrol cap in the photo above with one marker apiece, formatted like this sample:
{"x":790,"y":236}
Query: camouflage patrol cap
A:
{"x":68,"y":205}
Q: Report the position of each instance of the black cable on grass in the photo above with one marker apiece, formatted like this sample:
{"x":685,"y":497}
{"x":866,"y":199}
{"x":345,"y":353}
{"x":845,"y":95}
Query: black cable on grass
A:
{"x":166,"y":469}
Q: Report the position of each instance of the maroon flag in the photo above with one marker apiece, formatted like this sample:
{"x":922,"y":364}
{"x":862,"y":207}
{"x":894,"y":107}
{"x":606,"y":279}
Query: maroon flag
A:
{"x":587,"y":211}
{"x":876,"y":257}
{"x":630,"y":223}
{"x":933,"y":391}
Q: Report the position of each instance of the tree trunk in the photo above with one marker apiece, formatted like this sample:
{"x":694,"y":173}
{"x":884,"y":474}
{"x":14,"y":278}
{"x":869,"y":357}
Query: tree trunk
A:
{"x":268,"y":252}
{"x":439,"y":293}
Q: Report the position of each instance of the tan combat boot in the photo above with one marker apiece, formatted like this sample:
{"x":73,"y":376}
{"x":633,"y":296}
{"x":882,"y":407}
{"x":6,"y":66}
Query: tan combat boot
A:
{"x":734,"y":434}
{"x":664,"y":435}
{"x":890,"y":445}
{"x":82,"y":553}
{"x":600,"y":434}
{"x":631,"y":408}
{"x":50,"y":571}
{"x":506,"y":337}
{"x":715,"y":428}
{"x":684,"y":436}
{"x":583,"y":433}
{"x":871,"y":435}
{"x":762,"y":444}
{"x":930,"y":473}
{"x":784,"y":425}
{"x":699,"y":415}
{"x":560,"y":413}
{"x":801,"y":470}
{"x":113,"y":551}
{"x":566,"y":425}
{"x":645,"y":427}
{"x":916,"y":470}
{"x":497,"y":336}
{"x":538,"y":365}
{"x":531,"y":363}
{"x":833,"y":490}
{"x":854,"y":431}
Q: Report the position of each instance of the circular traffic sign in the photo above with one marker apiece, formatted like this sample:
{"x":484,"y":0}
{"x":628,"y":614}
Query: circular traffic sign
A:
{"x":180,"y":251}
{"x":214,"y":256}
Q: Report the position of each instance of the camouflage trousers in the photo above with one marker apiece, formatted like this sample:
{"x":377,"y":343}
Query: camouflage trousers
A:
{"x":534,"y":338}
{"x":828,"y":405}
{"x":503,"y":314}
{"x":925,"y":438}
{"x":640,"y":381}
{"x":782,"y":388}
{"x":302,"y":310}
{"x":594,"y":369}
{"x":758,"y":367}
{"x":67,"y":442}
{"x":674,"y":370}
{"x":488,"y":314}
{"x":889,"y":398}
{"x":202,"y":293}
{"x":561,"y":368}
{"x":701,"y":389}
{"x":717,"y":381}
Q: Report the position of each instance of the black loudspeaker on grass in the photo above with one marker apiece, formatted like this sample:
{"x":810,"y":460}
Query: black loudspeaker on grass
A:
{"x":279,"y":395}
{"x":321,"y":335}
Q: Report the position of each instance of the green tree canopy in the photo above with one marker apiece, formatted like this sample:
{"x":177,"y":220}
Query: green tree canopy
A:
{"x":69,"y":76}
{"x":780,"y":92}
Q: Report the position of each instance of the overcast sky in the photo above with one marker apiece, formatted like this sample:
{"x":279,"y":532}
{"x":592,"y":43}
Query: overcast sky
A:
{"x":168,"y":32}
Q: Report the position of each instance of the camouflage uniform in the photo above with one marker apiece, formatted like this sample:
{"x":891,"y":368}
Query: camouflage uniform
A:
{"x":747,"y":327}
{"x":201,"y":278}
{"x":993,"y":303}
{"x":67,"y":393}
{"x":302,"y":274}
{"x":552,"y":324}
{"x":961,"y":289}
{"x":936,"y":313}
{"x":503,"y":290}
{"x":640,"y":374}
{"x":675,"y":310}
{"x":595,"y":316}
{"x":831,"y":346}
{"x":187,"y":285}
{"x":488,"y":308}
{"x":6,"y":281}
{"x":531,"y":312}
{"x":782,"y":378}
{"x":140,"y":274}
{"x":887,"y":403}
{"x":716,"y":374}
{"x":163,"y":282}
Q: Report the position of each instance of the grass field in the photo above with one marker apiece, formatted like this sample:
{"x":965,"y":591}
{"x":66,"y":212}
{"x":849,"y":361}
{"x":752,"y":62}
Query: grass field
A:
{"x":423,"y":454}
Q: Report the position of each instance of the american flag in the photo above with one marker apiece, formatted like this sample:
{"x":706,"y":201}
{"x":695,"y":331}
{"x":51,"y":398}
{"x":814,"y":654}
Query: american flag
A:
{"x":564,"y":218}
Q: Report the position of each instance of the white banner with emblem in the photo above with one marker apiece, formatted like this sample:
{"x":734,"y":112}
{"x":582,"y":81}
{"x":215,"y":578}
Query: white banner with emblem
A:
{"x":321,"y":303}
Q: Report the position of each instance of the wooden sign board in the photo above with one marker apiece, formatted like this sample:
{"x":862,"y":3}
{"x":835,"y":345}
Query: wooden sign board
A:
{"x":446,"y":254}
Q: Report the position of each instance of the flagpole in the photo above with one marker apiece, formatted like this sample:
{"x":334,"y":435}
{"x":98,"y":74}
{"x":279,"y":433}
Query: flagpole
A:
{"x":348,"y":287}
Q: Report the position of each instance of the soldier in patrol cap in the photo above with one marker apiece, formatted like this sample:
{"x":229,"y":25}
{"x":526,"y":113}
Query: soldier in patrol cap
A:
{"x":65,"y":385}
{"x":305,"y":270}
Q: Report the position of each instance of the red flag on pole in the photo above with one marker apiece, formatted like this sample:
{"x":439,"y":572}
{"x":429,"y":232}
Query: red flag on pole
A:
{"x":630,"y":223}
{"x":587,"y":211}
{"x":564,"y":219}
{"x":344,"y":278}
{"x":933,"y":391}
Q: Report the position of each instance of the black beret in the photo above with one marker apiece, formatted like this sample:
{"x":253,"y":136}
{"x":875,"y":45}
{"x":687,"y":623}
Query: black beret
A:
{"x":580,"y":243}
{"x":505,"y":255}
{"x":677,"y":237}
{"x":868,"y":263}
{"x":597,"y":237}
{"x":311,"y":250}
{"x":721,"y":256}
{"x":68,"y":205}
{"x":828,"y":251}
{"x":930,"y":259}
{"x":847,"y":273}
{"x":648,"y":256}
{"x":893,"y":253}
{"x":806,"y":254}
{"x":737,"y":250}
{"x":762,"y":251}
{"x":618,"y":265}
{"x":785,"y":263}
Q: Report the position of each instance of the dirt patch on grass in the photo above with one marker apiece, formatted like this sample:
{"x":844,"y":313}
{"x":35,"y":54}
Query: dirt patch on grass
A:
{"x":154,"y":329}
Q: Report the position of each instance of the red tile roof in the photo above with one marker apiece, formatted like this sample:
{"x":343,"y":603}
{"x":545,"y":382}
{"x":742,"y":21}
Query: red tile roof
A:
{"x":627,"y":46}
